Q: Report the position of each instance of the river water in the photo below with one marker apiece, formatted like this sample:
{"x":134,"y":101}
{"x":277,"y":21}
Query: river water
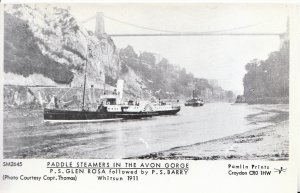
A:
{"x":27,"y":136}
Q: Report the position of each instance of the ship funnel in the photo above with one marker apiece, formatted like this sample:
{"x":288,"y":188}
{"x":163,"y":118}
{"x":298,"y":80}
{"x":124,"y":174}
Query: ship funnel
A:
{"x":120,"y":85}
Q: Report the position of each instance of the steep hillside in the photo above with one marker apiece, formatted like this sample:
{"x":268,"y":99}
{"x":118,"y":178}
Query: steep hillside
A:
{"x":47,"y":40}
{"x":46,"y":46}
{"x":159,"y":78}
{"x":267,"y":81}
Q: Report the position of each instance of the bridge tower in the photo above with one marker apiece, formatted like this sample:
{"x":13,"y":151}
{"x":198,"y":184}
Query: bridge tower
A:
{"x":285,"y":37}
{"x":99,"y":29}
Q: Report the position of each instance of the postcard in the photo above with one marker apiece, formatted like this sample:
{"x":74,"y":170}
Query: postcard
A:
{"x":149,"y":97}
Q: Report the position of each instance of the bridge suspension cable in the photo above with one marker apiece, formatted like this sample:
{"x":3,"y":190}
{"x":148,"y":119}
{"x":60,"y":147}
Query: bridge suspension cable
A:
{"x":88,"y":19}
{"x":138,"y":26}
{"x":177,"y":32}
{"x":222,"y":32}
{"x":197,"y":34}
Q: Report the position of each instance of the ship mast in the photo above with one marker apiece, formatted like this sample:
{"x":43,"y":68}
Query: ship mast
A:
{"x":84,"y":85}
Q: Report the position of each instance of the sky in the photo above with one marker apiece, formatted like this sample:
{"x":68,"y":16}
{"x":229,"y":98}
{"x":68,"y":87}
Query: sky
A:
{"x":213,"y":57}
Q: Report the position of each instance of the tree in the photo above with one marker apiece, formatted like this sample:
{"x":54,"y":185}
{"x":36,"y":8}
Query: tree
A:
{"x":268,"y":78}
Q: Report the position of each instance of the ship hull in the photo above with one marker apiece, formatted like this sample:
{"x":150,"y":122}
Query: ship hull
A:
{"x":168,"y":112}
{"x":194,"y":104}
{"x":53,"y":115}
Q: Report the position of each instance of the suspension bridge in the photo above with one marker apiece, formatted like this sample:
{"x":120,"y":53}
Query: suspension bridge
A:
{"x":100,"y":29}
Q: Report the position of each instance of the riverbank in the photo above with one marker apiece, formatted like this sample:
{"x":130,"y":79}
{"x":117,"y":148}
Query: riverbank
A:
{"x":268,"y":143}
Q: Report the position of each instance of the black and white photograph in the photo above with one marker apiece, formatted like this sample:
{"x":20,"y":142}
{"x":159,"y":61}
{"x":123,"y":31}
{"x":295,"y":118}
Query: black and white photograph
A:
{"x":146,"y":81}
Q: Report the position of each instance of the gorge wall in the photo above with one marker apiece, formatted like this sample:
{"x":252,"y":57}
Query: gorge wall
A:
{"x":267,"y":81}
{"x":46,"y":44}
{"x":159,"y":78}
{"x":45,"y":55}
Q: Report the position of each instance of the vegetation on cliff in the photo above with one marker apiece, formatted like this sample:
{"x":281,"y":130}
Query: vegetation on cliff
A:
{"x":22,"y":55}
{"x":46,"y":46}
{"x":49,"y":41}
{"x":267,"y":81}
{"x":165,"y":80}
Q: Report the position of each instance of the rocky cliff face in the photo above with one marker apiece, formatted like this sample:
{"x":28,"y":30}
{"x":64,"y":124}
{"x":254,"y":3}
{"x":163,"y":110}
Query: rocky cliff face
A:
{"x":46,"y":45}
